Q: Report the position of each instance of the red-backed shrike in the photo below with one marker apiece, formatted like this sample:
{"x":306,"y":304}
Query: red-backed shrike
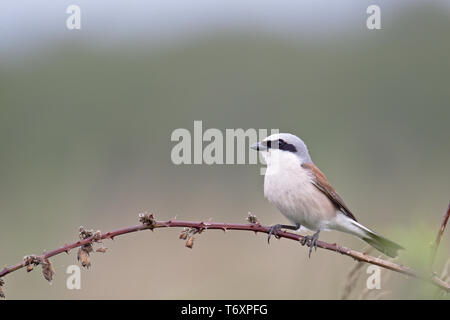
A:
{"x":302,"y":193}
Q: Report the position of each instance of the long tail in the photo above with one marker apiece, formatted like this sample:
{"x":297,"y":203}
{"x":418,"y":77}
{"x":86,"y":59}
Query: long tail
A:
{"x":380,"y":243}
{"x":386,"y":246}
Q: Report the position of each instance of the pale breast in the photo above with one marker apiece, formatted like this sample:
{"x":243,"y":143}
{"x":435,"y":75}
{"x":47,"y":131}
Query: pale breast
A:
{"x":290,"y":189}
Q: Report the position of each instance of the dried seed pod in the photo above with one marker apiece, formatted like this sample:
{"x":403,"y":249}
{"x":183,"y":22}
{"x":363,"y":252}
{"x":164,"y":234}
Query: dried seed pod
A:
{"x":97,"y":235}
{"x":190,"y":242}
{"x":47,"y":269}
{"x":102,"y":249}
{"x":147,"y":219}
{"x":184,"y":234}
{"x":88,"y":247}
{"x":84,"y":234}
{"x":252,"y":218}
{"x":2,"y":295}
{"x":31,"y":260}
{"x":83,"y":257}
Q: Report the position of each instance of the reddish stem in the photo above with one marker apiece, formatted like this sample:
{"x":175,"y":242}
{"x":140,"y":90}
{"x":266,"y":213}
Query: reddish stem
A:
{"x":437,"y":242}
{"x":255,"y":227}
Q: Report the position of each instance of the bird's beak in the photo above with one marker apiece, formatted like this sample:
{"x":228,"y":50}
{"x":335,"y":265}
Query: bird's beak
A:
{"x":258,"y":147}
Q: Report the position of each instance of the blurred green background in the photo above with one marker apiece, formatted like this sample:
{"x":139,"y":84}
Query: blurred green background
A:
{"x":85,"y":140}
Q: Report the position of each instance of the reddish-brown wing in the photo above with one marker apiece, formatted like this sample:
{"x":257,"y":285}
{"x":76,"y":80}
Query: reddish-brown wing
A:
{"x":321,"y":182}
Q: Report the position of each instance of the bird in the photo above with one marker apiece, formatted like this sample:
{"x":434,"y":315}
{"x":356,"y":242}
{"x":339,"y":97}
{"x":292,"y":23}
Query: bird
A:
{"x":302,"y":193}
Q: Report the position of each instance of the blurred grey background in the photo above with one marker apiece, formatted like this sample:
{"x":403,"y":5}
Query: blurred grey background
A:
{"x":86,"y":117}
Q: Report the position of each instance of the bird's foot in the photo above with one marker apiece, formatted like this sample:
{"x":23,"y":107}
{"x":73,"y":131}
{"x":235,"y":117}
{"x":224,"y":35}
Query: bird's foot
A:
{"x":311,"y":242}
{"x":273,"y":230}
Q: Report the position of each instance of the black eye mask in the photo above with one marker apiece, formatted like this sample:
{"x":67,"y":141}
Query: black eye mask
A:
{"x":280,"y":144}
{"x":283,"y":145}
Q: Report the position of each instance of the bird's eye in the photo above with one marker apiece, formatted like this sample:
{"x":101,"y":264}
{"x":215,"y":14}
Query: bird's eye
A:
{"x":281,"y":143}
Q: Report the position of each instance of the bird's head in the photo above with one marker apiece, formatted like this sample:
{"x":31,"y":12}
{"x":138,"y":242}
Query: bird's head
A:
{"x":282,"y":147}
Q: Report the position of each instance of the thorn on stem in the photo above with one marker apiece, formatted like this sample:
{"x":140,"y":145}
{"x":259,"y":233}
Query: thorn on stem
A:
{"x":109,"y":236}
{"x":67,"y":250}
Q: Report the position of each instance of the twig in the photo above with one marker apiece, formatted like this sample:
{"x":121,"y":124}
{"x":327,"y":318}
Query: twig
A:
{"x":445,"y":275}
{"x":87,"y":238}
{"x":439,"y":237}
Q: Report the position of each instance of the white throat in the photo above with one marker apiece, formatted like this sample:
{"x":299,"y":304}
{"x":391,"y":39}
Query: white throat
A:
{"x":280,"y":160}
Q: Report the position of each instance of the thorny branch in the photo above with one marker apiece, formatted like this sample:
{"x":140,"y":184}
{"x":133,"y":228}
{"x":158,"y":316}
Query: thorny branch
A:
{"x":148,"y":222}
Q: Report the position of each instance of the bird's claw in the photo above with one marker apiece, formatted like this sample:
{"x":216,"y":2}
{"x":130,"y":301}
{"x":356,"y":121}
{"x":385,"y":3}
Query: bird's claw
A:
{"x":311,"y":242}
{"x":273,"y":230}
